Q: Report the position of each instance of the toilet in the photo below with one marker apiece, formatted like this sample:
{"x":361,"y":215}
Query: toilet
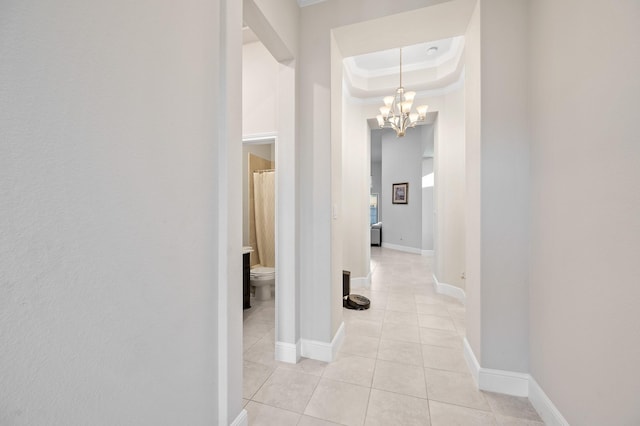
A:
{"x":262,"y":278}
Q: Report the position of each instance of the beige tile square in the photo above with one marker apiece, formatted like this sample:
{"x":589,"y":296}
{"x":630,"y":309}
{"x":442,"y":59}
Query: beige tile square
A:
{"x":512,"y":421}
{"x":427,"y":299}
{"x":248,"y":341}
{"x":265,"y":415}
{"x":387,"y":408}
{"x":401,"y":305}
{"x":434,"y":321}
{"x":432,"y":309}
{"x":512,"y":406}
{"x":371,"y":314}
{"x":364,"y":346}
{"x":312,"y":421}
{"x":442,"y":338}
{"x":444,"y":358}
{"x":256,"y":328}
{"x":253,"y":376}
{"x":400,"y":378}
{"x":363,"y":327}
{"x":266,"y":357}
{"x":287,"y":389}
{"x":401,"y":352}
{"x":453,"y":415}
{"x":397,"y":317}
{"x":339,"y":402}
{"x":454,"y":388}
{"x":305,"y":365}
{"x":401,"y":332}
{"x":351,"y":369}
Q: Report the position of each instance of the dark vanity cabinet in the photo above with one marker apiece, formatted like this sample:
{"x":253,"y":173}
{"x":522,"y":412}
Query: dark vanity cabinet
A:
{"x":246,"y":290}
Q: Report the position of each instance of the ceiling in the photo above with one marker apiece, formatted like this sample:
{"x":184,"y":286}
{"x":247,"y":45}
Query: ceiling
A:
{"x":377,"y":74}
{"x":414,"y":56}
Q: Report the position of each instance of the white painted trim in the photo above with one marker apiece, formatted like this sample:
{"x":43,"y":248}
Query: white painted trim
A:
{"x":361,"y":282}
{"x":288,"y":352}
{"x":402,"y":248}
{"x":429,"y":93}
{"x":544,"y":406}
{"x":322,"y":351}
{"x":513,"y":383}
{"x":500,"y":381}
{"x":472,"y":361}
{"x":429,"y":253}
{"x":241,"y":420}
{"x":448,"y":289}
{"x":260,"y":138}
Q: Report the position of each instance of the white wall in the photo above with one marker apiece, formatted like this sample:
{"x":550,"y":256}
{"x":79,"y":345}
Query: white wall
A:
{"x":584,"y":201}
{"x":356,"y":172}
{"x":449,"y":190}
{"x":504,"y":185}
{"x":402,"y":162}
{"x":115,"y":230}
{"x":473,"y":297}
{"x":259,"y":91}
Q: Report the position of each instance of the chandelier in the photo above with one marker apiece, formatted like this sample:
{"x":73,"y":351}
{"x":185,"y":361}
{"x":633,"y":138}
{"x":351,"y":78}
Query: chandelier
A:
{"x":396,"y":113}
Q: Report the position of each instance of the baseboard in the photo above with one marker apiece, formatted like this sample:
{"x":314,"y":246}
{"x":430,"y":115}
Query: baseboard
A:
{"x":287,"y":352}
{"x":544,"y":406}
{"x":361,"y":282}
{"x":448,"y":289}
{"x":323,"y":351}
{"x":500,"y":381}
{"x":472,"y":361}
{"x":429,"y":253}
{"x":516,"y":384}
{"x":402,"y":248}
{"x":241,"y":420}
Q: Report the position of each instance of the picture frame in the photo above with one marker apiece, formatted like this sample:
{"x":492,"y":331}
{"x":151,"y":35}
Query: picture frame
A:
{"x":400,"y":193}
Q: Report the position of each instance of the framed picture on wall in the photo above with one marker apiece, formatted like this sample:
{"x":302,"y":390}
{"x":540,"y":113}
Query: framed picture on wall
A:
{"x":400,"y":193}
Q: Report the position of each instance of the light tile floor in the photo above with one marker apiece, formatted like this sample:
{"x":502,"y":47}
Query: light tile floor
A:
{"x":401,"y":362}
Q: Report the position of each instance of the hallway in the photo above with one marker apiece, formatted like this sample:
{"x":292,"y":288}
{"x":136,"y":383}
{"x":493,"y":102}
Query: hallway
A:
{"x":401,"y":362}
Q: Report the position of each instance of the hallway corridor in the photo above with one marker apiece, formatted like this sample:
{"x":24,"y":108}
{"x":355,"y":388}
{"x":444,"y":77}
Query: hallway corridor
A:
{"x":401,"y":362}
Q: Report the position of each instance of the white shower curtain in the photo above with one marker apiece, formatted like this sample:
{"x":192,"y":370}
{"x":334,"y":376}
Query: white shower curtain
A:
{"x":265,"y":213}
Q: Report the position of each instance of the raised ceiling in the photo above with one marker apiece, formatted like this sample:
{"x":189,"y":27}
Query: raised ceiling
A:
{"x":377,"y":74}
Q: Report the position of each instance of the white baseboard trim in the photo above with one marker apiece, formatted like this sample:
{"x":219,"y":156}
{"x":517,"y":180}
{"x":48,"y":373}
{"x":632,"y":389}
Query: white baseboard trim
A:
{"x":241,"y":420}
{"x":544,"y":406}
{"x":448,"y":289}
{"x":361,"y":282}
{"x":402,"y":248}
{"x":428,"y":253}
{"x":500,"y":381}
{"x":287,"y":352}
{"x":322,"y":351}
{"x":472,"y":361}
{"x":516,"y":384}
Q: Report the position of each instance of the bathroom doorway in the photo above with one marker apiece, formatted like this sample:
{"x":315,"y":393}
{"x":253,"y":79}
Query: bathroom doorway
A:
{"x":268,"y":100}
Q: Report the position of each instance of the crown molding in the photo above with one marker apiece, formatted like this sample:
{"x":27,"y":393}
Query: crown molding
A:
{"x":458,"y":84}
